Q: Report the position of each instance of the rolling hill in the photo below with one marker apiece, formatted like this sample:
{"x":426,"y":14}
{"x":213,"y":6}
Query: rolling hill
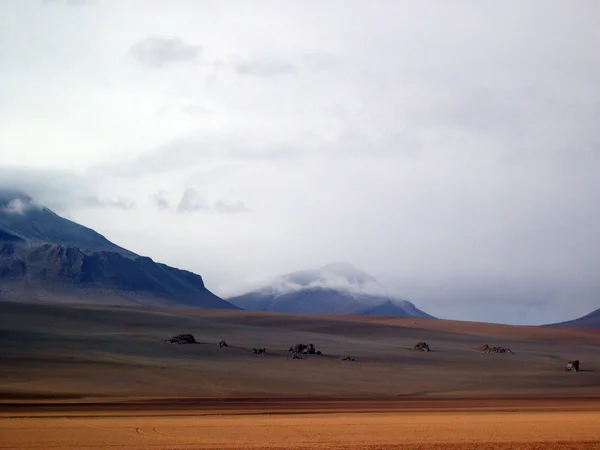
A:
{"x":45,"y":257}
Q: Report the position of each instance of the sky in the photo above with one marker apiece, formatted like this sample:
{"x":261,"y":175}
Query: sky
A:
{"x":451,"y":149}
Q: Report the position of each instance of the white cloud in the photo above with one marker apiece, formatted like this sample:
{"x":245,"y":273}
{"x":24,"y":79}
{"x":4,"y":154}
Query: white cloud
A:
{"x":264,"y":66}
{"x":17,"y":206}
{"x":157,"y":52}
{"x":283,"y":286}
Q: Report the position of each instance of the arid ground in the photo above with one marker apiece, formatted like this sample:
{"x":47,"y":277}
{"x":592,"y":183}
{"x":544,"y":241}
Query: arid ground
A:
{"x":373,"y":424}
{"x":102,"y":377}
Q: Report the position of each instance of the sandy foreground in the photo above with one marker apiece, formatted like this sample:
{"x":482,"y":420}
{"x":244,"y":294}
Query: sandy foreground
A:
{"x":516,"y":424}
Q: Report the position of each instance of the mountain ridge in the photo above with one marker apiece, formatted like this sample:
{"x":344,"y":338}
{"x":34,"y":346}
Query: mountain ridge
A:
{"x":44,"y":255}
{"x":22,"y":217}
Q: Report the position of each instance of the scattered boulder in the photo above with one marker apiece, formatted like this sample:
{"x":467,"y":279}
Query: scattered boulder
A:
{"x":223,"y":344}
{"x":181,"y":339}
{"x":304,"y":349}
{"x":347,"y":358}
{"x":572,"y":366}
{"x":259,"y":351}
{"x":487,"y":349}
{"x":422,"y":347}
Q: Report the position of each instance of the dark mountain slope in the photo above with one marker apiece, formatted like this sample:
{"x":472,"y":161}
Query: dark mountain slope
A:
{"x":390,"y":308}
{"x":591,"y":320}
{"x":22,"y":218}
{"x":46,"y":257}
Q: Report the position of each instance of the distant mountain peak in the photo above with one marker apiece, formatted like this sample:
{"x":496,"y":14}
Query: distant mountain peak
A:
{"x":336,"y":288}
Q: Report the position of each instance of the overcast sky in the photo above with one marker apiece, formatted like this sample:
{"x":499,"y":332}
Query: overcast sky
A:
{"x":449,"y":148}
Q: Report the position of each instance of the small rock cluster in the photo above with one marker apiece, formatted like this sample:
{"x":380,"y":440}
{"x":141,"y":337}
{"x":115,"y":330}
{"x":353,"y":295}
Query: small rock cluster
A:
{"x":304,"y":349}
{"x":572,"y":366}
{"x":181,"y":339}
{"x":422,"y":346}
{"x":487,"y":349}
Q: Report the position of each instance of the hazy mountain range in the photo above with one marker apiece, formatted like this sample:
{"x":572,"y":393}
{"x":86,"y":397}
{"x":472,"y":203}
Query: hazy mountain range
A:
{"x":45,"y":257}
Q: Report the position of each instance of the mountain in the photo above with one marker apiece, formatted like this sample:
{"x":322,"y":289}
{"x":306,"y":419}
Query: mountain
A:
{"x":395,"y":308}
{"x":591,"y":320}
{"x":337,"y":288}
{"x":44,"y":256}
{"x":21,"y":219}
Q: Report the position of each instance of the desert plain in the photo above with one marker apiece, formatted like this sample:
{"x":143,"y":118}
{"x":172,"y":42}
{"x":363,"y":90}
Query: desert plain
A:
{"x":88,"y":377}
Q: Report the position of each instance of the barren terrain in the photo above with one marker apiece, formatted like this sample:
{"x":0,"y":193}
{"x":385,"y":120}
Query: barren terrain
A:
{"x":68,"y":351}
{"x":366,"y":430}
{"x":102,"y":377}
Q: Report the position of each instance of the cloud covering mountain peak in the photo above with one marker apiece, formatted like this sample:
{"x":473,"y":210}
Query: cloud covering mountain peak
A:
{"x":338,"y":276}
{"x":337,"y":288}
